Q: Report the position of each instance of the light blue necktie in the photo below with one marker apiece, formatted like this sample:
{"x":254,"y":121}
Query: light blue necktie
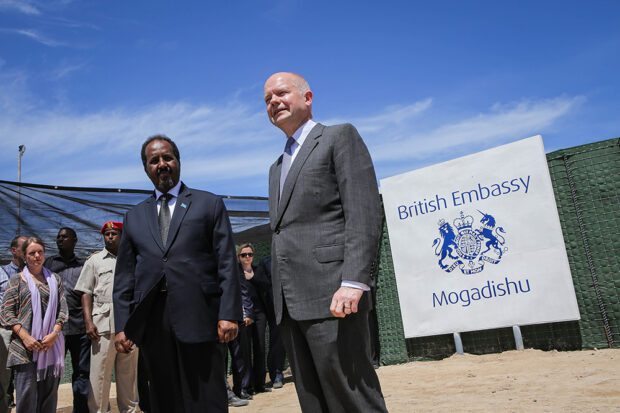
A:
{"x":287,"y":158}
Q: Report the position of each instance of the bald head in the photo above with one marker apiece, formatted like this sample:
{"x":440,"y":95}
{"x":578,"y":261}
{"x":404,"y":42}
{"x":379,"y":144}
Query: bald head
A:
{"x":289,"y":101}
{"x":297,"y":80}
{"x":16,"y":250}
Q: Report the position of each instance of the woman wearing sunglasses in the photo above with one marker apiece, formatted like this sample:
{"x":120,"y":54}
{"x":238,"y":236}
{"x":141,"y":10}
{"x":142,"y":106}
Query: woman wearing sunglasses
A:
{"x":257,"y":284}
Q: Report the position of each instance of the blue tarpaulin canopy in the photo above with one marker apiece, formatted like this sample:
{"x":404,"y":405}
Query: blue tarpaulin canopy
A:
{"x":32,"y":209}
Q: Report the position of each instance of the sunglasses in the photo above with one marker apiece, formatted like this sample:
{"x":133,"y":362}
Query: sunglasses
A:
{"x":246,"y":254}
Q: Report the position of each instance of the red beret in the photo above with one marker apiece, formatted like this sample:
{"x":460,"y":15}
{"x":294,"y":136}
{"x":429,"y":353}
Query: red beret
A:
{"x":112,"y":225}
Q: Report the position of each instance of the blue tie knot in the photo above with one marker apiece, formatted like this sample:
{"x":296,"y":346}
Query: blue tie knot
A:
{"x":289,"y":144}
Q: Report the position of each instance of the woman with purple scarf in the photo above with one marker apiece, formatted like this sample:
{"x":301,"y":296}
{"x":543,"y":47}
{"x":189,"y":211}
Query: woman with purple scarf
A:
{"x":34,"y":308}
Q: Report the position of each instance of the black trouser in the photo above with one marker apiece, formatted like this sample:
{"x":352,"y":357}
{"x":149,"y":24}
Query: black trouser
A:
{"x":143,"y":384}
{"x":240,"y":360}
{"x":258,"y":329}
{"x":277,"y":354}
{"x":183,"y":378}
{"x":78,"y":345}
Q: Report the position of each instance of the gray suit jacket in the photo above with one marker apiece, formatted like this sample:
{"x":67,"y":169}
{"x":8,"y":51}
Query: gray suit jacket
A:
{"x":326,"y":225}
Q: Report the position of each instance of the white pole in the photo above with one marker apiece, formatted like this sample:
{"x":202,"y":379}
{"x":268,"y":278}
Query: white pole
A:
{"x":516,"y":331}
{"x":21,"y":150}
{"x":458,"y":343}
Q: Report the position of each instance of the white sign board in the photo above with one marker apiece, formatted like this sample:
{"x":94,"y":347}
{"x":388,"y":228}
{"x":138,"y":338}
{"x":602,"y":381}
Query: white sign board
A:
{"x":477,"y":243}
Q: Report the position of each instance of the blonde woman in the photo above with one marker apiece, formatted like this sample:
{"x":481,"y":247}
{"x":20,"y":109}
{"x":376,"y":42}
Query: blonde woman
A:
{"x":35,"y":309}
{"x":257,"y":285}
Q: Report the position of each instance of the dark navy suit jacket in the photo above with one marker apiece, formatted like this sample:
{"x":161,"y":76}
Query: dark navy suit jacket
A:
{"x":198,"y":264}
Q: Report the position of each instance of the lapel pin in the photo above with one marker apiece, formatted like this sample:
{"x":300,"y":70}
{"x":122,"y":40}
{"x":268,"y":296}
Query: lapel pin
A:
{"x":183,"y":205}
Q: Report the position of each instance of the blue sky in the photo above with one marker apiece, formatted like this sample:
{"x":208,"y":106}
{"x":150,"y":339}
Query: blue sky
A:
{"x":83,"y":83}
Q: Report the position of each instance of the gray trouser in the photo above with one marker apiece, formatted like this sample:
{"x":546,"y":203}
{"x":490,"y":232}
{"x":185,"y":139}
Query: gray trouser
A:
{"x":34,"y":396}
{"x":5,"y":374}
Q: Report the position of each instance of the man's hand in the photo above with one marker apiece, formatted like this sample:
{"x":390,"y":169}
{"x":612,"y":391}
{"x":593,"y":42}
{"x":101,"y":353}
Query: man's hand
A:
{"x":227,"y":330}
{"x":87,"y":311}
{"x":345,"y":301}
{"x":247,"y":321}
{"x":122,"y":343}
{"x":91,"y":330}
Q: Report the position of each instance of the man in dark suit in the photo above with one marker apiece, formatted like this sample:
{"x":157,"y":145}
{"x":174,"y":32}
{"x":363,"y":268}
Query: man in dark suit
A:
{"x":176,"y":287}
{"x":239,"y":348}
{"x":326,"y":219}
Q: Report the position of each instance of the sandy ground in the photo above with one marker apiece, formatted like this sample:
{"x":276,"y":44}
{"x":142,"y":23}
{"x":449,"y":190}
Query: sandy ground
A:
{"x":513,"y":381}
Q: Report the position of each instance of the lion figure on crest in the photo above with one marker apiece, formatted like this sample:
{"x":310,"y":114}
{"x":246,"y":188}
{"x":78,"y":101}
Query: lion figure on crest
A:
{"x":446,"y":247}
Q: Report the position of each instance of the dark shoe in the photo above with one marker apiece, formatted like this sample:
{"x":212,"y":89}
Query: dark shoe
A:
{"x":234,"y":401}
{"x":277,"y":384}
{"x":244,"y":395}
{"x":263,"y":390}
{"x":277,"y":376}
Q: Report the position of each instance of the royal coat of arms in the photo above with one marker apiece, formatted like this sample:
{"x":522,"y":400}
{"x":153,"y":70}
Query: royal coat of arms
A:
{"x":469,"y":248}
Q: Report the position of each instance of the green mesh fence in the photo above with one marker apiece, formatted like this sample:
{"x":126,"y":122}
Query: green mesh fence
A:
{"x":391,"y":331}
{"x":261,"y":250}
{"x":586,"y":182}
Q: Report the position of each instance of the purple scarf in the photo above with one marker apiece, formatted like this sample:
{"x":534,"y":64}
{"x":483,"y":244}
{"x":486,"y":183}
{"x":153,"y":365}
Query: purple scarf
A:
{"x":54,"y":358}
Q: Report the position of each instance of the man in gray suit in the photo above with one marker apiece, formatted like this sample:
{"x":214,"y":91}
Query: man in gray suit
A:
{"x":326,"y":219}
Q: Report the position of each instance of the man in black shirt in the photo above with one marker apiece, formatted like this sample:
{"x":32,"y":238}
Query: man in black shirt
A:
{"x":68,"y":267}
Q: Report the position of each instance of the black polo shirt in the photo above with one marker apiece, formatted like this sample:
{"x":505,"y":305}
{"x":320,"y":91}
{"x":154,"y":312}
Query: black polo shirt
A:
{"x":69,"y":273}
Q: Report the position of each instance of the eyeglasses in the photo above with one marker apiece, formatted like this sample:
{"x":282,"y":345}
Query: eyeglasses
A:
{"x":246,"y":254}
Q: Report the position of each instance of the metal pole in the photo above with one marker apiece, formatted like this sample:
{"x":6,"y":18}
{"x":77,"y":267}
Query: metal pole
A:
{"x":516,"y":331}
{"x":458,"y":343}
{"x":21,"y":150}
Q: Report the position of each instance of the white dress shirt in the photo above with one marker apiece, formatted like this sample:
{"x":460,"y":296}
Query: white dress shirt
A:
{"x":300,"y":136}
{"x":172,"y":202}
